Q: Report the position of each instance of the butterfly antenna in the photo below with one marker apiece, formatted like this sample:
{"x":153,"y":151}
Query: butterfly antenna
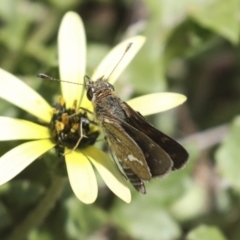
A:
{"x":126,"y":50}
{"x":44,"y":76}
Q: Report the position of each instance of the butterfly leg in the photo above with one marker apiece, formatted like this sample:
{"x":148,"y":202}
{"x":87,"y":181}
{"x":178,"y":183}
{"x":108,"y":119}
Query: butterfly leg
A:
{"x":81,"y":135}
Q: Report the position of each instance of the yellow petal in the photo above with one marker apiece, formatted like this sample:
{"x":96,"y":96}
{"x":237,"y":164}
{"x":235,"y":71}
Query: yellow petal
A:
{"x":17,"y":129}
{"x":72,"y":56}
{"x":18,"y":93}
{"x":107,"y":65}
{"x":156,"y":102}
{"x":109,"y":172}
{"x":15,"y":160}
{"x":82,"y":177}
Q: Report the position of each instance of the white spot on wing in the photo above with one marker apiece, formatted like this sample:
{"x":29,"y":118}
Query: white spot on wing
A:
{"x":131,"y":158}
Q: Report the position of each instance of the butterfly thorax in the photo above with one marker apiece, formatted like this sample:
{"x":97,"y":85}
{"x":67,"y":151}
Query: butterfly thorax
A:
{"x":105,"y":102}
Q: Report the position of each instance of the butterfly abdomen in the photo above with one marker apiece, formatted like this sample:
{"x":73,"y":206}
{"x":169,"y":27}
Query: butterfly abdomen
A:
{"x":135,"y":180}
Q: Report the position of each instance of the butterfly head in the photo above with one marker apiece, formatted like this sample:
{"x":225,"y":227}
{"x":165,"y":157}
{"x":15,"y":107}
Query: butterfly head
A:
{"x":97,"y":88}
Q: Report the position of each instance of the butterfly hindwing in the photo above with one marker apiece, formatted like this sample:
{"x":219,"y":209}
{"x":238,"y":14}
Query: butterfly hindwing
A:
{"x":155,"y":157}
{"x":176,"y":152}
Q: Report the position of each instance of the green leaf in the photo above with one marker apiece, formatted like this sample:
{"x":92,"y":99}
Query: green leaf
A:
{"x":36,"y":234}
{"x":19,"y":194}
{"x":146,"y":221}
{"x":83,"y":219}
{"x":205,"y":232}
{"x":145,"y":72}
{"x":228,"y":156}
{"x":219,"y":16}
{"x":5,"y":217}
{"x":196,"y":197}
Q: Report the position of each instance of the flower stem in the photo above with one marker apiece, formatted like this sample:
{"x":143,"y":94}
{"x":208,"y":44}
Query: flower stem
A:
{"x":38,"y":214}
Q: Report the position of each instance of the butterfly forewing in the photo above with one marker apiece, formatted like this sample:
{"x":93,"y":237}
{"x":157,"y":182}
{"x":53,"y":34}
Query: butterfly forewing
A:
{"x":125,"y":149}
{"x":131,"y":176}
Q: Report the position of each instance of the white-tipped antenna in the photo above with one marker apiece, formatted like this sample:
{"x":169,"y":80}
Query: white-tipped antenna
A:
{"x":126,"y":50}
{"x":44,"y":76}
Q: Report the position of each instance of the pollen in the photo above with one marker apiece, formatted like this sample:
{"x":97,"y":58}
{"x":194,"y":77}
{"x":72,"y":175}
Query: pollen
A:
{"x":72,"y":127}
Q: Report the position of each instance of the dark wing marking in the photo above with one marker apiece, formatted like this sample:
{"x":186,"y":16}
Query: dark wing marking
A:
{"x":176,"y":152}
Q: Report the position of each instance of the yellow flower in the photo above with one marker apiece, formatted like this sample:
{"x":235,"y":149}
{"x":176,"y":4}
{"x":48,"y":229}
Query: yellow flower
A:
{"x":72,"y":61}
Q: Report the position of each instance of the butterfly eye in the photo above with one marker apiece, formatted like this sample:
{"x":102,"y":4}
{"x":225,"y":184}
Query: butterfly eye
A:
{"x":90,"y":92}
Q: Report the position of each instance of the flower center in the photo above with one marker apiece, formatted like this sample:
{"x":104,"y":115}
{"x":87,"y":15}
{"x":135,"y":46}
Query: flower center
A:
{"x":72,"y":127}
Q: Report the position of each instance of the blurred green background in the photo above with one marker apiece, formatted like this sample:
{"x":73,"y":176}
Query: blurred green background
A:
{"x":192,"y":48}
